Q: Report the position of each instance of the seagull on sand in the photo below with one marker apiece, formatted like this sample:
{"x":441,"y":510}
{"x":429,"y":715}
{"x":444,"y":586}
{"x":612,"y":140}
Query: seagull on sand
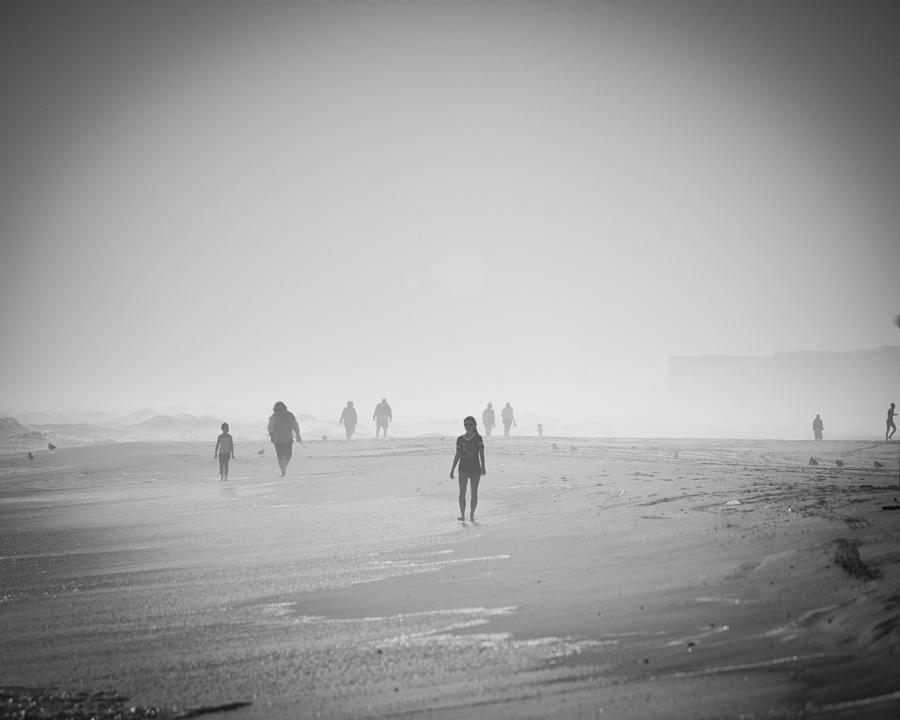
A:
{"x":31,"y":456}
{"x":878,"y":464}
{"x":51,"y":446}
{"x":839,"y":463}
{"x":813,"y":461}
{"x":262,"y":452}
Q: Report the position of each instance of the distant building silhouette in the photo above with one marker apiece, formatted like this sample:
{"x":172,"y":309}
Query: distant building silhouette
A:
{"x":772,"y":394}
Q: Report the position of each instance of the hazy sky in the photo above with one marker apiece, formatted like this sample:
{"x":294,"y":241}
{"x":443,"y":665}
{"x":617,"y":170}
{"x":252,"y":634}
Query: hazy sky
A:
{"x":215,"y":205}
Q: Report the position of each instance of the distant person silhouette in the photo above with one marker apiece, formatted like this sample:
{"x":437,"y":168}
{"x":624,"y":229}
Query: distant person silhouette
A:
{"x":540,"y":430}
{"x":225,"y":451}
{"x":348,"y":419}
{"x":818,"y":427}
{"x":282,"y":429}
{"x":488,"y":419}
{"x":891,"y":425}
{"x":508,"y":418}
{"x":470,"y":458}
{"x":382,"y":417}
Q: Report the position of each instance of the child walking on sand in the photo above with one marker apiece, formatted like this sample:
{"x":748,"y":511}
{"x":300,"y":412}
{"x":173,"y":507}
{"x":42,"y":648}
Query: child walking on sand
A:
{"x":470,"y":458}
{"x":225,"y":451}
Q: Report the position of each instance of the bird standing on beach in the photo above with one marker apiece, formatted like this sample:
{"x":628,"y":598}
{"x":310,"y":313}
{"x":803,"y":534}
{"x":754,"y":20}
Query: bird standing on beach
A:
{"x":813,"y":461}
{"x":878,"y":464}
{"x":31,"y":456}
{"x":839,"y":463}
{"x":51,"y":446}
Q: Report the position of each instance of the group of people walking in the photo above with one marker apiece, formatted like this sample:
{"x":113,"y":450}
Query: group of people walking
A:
{"x":382,"y":416}
{"x":489,"y":419}
{"x":283,"y":427}
{"x":468,"y":461}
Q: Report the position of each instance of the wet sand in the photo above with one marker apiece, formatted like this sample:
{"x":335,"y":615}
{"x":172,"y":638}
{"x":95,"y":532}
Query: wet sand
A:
{"x":613,"y":578}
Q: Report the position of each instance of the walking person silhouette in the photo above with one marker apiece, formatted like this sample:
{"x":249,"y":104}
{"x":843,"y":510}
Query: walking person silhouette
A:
{"x":382,"y":417}
{"x":470,"y":458}
{"x":508,"y":418}
{"x":348,"y":419}
{"x":488,"y":419}
{"x":282,"y":429}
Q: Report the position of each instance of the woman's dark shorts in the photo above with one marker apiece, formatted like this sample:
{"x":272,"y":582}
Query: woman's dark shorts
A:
{"x":469,"y":474}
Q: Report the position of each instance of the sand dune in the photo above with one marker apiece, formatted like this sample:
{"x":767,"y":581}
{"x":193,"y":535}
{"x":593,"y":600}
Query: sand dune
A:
{"x":613,"y":578}
{"x":16,"y":437}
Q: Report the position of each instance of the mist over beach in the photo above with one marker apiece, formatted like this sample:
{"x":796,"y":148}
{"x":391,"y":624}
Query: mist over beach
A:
{"x":665,"y":234}
{"x":210,"y":208}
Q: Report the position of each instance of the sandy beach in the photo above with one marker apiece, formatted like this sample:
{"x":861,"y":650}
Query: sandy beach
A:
{"x":602,"y":578}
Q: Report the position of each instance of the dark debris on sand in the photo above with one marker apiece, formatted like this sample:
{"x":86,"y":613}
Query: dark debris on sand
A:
{"x":847,"y":556}
{"x":32,"y":703}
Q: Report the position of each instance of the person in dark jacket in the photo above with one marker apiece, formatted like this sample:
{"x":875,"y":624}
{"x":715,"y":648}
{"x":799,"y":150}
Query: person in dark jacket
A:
{"x":818,"y":427}
{"x":348,"y":419}
{"x":382,"y":416}
{"x":282,"y":429}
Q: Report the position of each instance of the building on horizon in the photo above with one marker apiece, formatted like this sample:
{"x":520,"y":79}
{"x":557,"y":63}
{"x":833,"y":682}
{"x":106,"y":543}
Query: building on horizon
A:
{"x":778,"y":396}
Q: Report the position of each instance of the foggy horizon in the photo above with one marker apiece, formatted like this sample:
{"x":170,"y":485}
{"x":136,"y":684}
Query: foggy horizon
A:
{"x":214,"y":207}
{"x":751,"y":397}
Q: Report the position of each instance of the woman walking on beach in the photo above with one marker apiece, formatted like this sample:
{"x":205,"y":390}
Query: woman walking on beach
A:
{"x":470,"y":458}
{"x":282,"y":428}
